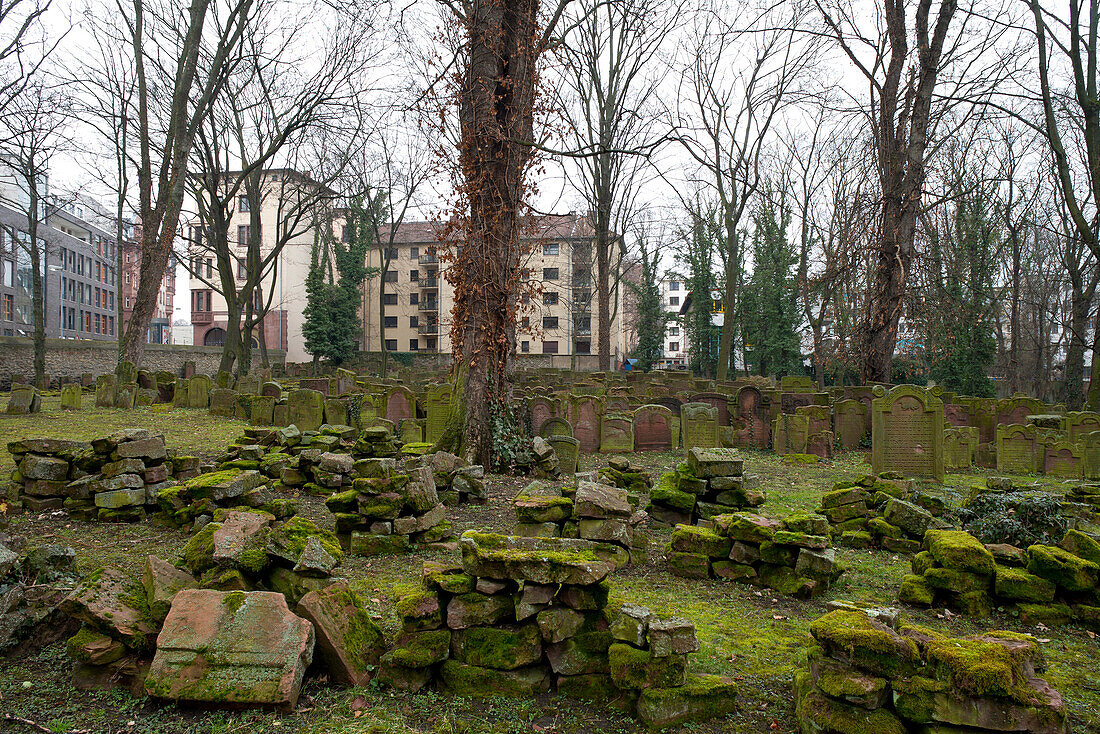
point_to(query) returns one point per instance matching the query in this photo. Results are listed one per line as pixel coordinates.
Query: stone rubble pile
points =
(524, 616)
(792, 556)
(1046, 584)
(587, 511)
(389, 507)
(871, 672)
(33, 583)
(116, 478)
(711, 483)
(619, 473)
(872, 512)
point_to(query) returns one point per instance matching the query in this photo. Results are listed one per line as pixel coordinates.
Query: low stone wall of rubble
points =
(711, 483)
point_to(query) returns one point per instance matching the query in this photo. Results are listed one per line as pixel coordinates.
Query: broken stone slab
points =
(675, 636)
(349, 643)
(232, 647)
(632, 624)
(707, 463)
(240, 533)
(162, 581)
(101, 602)
(601, 501)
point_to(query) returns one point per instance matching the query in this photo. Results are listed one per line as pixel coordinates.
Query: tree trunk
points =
(1093, 401)
(1075, 350)
(38, 301)
(603, 292)
(231, 349)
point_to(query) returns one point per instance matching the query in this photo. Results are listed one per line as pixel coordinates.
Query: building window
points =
(525, 322)
(674, 331)
(584, 347)
(242, 203)
(551, 248)
(345, 233)
(414, 321)
(674, 285)
(127, 279)
(198, 302)
(242, 268)
(549, 322)
(209, 268)
(243, 232)
(674, 346)
(391, 345)
(549, 273)
(390, 276)
(110, 326)
(414, 253)
(391, 322)
(674, 300)
(9, 307)
(389, 299)
(414, 275)
(7, 271)
(525, 346)
(111, 300)
(414, 345)
(549, 347)
(88, 321)
(391, 253)
(549, 299)
(414, 299)
(128, 256)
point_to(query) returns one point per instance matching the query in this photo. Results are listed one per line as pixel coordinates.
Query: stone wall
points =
(73, 358)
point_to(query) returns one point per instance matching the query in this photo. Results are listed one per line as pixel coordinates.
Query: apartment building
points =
(409, 306)
(674, 351)
(77, 262)
(160, 327)
(293, 207)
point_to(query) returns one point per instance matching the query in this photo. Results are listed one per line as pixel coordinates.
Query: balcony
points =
(202, 317)
(427, 329)
(428, 283)
(427, 259)
(427, 306)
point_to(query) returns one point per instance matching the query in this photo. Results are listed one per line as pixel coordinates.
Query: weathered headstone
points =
(586, 422)
(198, 392)
(752, 423)
(72, 397)
(716, 400)
(400, 403)
(959, 447)
(306, 409)
(790, 433)
(1063, 459)
(699, 425)
(24, 400)
(272, 390)
(1091, 455)
(261, 411)
(1080, 423)
(248, 384)
(542, 409)
(126, 372)
(179, 394)
(652, 428)
(556, 427)
(336, 412)
(222, 401)
(1019, 450)
(567, 450)
(410, 431)
(848, 423)
(907, 432)
(616, 434)
(126, 395)
(105, 388)
(437, 411)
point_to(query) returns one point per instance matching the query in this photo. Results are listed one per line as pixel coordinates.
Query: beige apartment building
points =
(409, 307)
(294, 205)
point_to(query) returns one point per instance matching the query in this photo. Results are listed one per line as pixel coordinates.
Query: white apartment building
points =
(674, 350)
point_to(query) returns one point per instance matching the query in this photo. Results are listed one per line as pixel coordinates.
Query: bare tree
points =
(180, 67)
(740, 76)
(37, 127)
(612, 77)
(24, 48)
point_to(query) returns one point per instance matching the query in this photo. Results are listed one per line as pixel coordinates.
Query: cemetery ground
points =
(754, 635)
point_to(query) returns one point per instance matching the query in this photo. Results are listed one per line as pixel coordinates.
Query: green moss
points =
(915, 591)
(1082, 546)
(921, 562)
(693, 539)
(950, 579)
(914, 698)
(422, 649)
(1061, 567)
(980, 669)
(1019, 585)
(817, 712)
(672, 497)
(883, 529)
(868, 644)
(500, 648)
(295, 532)
(233, 601)
(198, 554)
(362, 636)
(959, 550)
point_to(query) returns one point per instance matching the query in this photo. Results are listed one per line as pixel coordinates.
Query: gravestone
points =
(1090, 459)
(616, 434)
(907, 432)
(790, 433)
(956, 414)
(586, 422)
(1063, 459)
(24, 400)
(126, 395)
(320, 384)
(281, 415)
(410, 431)
(542, 409)
(556, 427)
(126, 372)
(400, 404)
(751, 425)
(223, 379)
(652, 428)
(87, 379)
(437, 411)
(336, 412)
(306, 409)
(796, 383)
(567, 449)
(249, 384)
(718, 401)
(146, 380)
(1016, 409)
(72, 396)
(959, 447)
(272, 390)
(1080, 423)
(818, 416)
(849, 419)
(261, 410)
(188, 369)
(699, 425)
(345, 380)
(166, 387)
(105, 388)
(1019, 450)
(198, 391)
(863, 394)
(222, 401)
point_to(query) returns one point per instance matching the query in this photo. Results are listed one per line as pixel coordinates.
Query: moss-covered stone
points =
(778, 555)
(817, 712)
(198, 553)
(1082, 546)
(419, 610)
(879, 527)
(1017, 584)
(500, 648)
(915, 591)
(810, 523)
(1049, 615)
(1062, 568)
(983, 667)
(636, 669)
(959, 550)
(668, 496)
(701, 698)
(692, 539)
(856, 539)
(915, 698)
(921, 562)
(788, 582)
(287, 540)
(461, 679)
(866, 643)
(977, 604)
(689, 565)
(421, 649)
(950, 579)
(843, 682)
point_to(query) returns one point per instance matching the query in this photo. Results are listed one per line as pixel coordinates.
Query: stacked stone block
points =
(1045, 584)
(870, 672)
(711, 483)
(587, 511)
(792, 556)
(619, 473)
(524, 616)
(389, 508)
(871, 512)
(455, 481)
(115, 478)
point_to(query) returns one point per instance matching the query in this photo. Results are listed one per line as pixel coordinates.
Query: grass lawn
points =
(748, 633)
